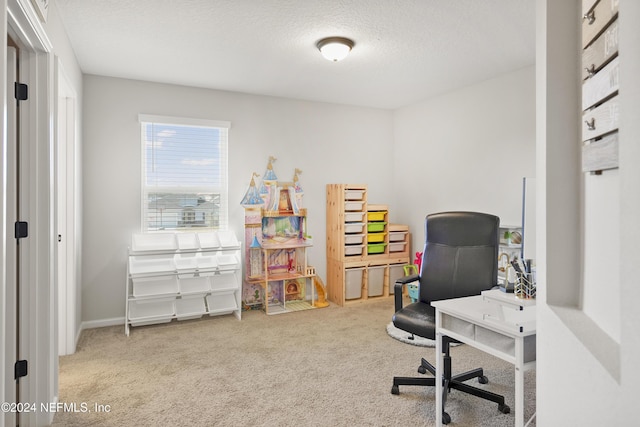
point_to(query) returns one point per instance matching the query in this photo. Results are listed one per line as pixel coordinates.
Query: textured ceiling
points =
(406, 50)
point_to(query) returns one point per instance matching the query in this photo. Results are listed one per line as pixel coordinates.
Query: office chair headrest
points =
(461, 228)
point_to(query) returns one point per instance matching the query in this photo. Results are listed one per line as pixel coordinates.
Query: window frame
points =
(224, 127)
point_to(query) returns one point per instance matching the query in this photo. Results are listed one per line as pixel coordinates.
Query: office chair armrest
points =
(397, 288)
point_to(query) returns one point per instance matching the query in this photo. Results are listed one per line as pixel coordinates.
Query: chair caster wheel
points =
(483, 379)
(422, 370)
(504, 409)
(395, 390)
(446, 419)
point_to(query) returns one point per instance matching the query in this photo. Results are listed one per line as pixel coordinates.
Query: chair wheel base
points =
(395, 390)
(504, 409)
(483, 379)
(446, 419)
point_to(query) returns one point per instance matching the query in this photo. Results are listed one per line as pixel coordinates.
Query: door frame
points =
(10, 324)
(66, 211)
(38, 331)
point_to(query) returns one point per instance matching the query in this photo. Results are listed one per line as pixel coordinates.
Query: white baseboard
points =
(90, 324)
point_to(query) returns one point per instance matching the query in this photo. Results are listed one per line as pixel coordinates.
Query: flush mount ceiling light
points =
(335, 48)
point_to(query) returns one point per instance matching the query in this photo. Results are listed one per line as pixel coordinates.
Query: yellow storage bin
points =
(375, 237)
(376, 216)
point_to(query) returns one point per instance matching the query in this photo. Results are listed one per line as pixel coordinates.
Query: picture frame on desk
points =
(42, 8)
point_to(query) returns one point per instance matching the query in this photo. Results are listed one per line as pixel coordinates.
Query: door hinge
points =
(20, 369)
(22, 229)
(22, 91)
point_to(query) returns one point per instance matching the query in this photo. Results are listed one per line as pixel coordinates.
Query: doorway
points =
(29, 311)
(65, 209)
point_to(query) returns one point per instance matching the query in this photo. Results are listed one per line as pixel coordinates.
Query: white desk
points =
(496, 323)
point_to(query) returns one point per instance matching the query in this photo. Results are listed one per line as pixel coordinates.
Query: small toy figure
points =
(418, 261)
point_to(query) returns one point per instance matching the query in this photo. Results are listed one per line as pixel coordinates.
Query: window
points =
(184, 173)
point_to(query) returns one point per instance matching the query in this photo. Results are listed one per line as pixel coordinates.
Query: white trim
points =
(23, 19)
(185, 121)
(101, 323)
(37, 310)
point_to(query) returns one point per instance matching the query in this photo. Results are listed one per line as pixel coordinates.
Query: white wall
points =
(629, 209)
(588, 321)
(330, 143)
(466, 150)
(68, 62)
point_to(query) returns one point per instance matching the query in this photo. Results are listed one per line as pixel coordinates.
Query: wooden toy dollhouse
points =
(278, 278)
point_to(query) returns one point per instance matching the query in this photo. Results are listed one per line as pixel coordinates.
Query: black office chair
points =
(460, 259)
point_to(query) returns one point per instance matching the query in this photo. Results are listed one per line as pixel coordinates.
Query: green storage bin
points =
(376, 227)
(376, 248)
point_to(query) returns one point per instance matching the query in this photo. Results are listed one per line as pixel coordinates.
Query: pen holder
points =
(525, 286)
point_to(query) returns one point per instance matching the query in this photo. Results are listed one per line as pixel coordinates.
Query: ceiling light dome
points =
(335, 48)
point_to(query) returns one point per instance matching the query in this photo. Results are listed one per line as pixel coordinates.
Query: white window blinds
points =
(184, 173)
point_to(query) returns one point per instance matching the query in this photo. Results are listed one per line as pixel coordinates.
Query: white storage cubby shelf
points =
(182, 276)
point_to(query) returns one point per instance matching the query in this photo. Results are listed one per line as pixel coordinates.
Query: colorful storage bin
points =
(376, 237)
(376, 227)
(375, 216)
(376, 248)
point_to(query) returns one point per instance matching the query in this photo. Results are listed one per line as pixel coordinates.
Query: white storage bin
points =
(227, 261)
(185, 262)
(397, 246)
(160, 285)
(354, 216)
(209, 240)
(190, 308)
(353, 250)
(353, 194)
(187, 241)
(207, 262)
(353, 206)
(148, 242)
(147, 312)
(354, 227)
(221, 303)
(375, 281)
(228, 239)
(192, 285)
(397, 236)
(353, 283)
(151, 264)
(354, 239)
(224, 281)
(396, 271)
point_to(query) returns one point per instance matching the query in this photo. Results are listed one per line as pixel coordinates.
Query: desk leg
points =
(439, 366)
(519, 389)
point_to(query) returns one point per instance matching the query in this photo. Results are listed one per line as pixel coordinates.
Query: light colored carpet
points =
(325, 367)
